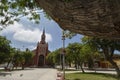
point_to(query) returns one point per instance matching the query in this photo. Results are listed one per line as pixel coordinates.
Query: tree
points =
(74, 55)
(56, 57)
(68, 34)
(22, 58)
(108, 47)
(13, 10)
(50, 59)
(90, 51)
(10, 59)
(28, 56)
(4, 49)
(18, 59)
(87, 52)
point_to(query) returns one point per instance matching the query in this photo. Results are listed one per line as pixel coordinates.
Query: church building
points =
(41, 52)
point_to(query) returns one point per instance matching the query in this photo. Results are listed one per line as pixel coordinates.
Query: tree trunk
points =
(8, 63)
(13, 67)
(23, 66)
(110, 59)
(82, 68)
(90, 63)
(116, 67)
(69, 64)
(99, 18)
(76, 64)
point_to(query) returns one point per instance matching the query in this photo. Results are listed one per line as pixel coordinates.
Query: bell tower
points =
(43, 37)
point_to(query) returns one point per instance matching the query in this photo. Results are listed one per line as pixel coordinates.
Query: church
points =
(41, 52)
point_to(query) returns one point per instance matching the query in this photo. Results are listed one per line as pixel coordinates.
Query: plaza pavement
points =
(30, 74)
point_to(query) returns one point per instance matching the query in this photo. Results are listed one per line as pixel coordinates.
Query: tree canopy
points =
(107, 47)
(13, 10)
(74, 54)
(5, 49)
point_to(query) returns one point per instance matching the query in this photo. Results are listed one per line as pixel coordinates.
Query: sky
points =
(26, 34)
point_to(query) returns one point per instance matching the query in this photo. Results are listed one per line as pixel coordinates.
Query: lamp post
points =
(60, 60)
(63, 52)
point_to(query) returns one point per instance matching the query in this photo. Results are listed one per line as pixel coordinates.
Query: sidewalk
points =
(98, 70)
(30, 74)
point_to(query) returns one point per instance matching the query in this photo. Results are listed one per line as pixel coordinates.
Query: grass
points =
(89, 76)
(2, 70)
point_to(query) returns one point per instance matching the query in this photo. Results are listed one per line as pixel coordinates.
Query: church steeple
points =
(41, 52)
(43, 36)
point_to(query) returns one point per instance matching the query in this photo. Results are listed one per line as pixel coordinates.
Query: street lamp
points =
(63, 52)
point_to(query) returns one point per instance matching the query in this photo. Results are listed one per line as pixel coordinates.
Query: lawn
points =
(2, 70)
(89, 76)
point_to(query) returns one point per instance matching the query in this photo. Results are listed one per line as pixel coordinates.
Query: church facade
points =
(41, 52)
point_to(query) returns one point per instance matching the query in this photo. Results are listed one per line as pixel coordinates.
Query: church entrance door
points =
(41, 61)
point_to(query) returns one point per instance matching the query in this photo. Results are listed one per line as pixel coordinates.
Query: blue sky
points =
(26, 34)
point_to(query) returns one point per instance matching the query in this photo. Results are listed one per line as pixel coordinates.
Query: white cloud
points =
(31, 47)
(0, 26)
(24, 34)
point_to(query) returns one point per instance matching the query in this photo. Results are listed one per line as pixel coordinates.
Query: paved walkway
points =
(30, 74)
(97, 71)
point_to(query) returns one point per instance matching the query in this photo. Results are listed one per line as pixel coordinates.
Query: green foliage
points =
(74, 50)
(68, 34)
(28, 56)
(47, 16)
(4, 49)
(107, 47)
(74, 54)
(90, 47)
(50, 59)
(18, 58)
(55, 56)
(13, 10)
(100, 43)
(90, 50)
(21, 58)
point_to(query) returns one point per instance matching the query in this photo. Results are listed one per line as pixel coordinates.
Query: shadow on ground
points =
(5, 74)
